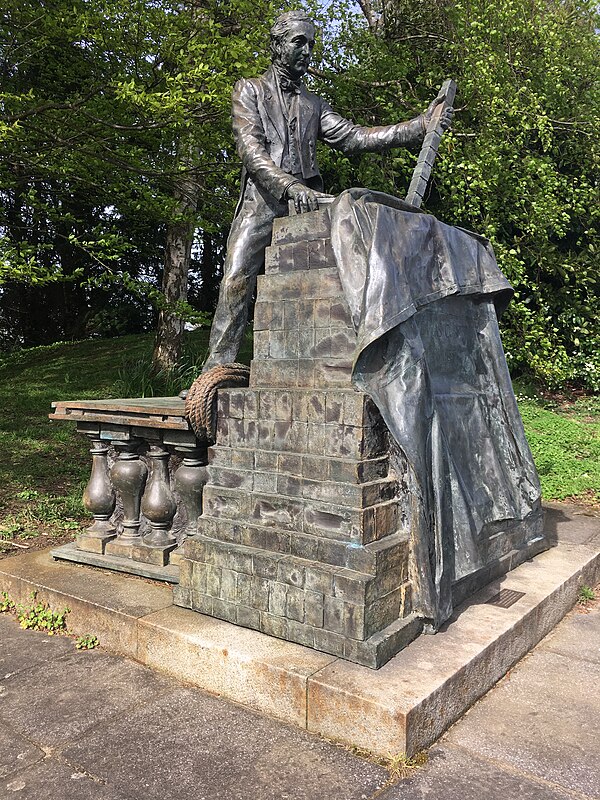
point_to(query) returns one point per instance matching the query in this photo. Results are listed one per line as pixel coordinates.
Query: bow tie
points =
(289, 86)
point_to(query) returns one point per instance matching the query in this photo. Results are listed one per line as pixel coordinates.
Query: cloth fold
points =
(424, 299)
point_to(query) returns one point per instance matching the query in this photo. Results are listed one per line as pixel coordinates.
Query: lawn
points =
(45, 465)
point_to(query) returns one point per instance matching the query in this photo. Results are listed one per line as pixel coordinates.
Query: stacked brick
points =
(303, 531)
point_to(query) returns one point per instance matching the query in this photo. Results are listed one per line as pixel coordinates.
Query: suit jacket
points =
(260, 132)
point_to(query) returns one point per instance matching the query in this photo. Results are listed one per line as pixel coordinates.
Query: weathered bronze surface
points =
(429, 148)
(276, 124)
(425, 298)
(375, 471)
(145, 488)
(350, 525)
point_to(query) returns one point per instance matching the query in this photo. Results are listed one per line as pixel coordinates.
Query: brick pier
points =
(303, 532)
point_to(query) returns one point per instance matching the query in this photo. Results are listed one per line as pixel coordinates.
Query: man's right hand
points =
(304, 198)
(445, 120)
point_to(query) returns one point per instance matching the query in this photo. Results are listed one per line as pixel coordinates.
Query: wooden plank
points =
(144, 413)
(130, 403)
(170, 422)
(142, 405)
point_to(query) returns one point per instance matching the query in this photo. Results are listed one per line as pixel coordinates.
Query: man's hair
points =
(282, 26)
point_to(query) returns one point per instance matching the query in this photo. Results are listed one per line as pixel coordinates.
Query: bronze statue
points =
(276, 124)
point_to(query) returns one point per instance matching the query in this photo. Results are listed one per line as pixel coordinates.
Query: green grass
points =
(564, 436)
(44, 465)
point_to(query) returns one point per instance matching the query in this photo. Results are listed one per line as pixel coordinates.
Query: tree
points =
(115, 140)
(115, 144)
(522, 161)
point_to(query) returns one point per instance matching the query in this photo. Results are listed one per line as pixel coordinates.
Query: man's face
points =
(295, 49)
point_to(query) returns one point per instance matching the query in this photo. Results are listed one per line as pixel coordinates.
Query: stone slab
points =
(102, 603)
(267, 674)
(43, 704)
(191, 746)
(407, 704)
(403, 707)
(568, 523)
(581, 638)
(305, 227)
(16, 753)
(16, 650)
(53, 779)
(454, 774)
(117, 563)
(509, 726)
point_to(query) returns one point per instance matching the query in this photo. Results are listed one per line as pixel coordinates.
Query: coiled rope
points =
(201, 398)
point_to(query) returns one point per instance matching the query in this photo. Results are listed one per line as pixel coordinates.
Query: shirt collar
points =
(286, 83)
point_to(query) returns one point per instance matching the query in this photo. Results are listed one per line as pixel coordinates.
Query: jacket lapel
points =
(273, 103)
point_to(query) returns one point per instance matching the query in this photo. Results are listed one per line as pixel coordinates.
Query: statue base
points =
(305, 528)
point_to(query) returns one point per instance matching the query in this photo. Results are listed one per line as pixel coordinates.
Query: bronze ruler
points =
(429, 148)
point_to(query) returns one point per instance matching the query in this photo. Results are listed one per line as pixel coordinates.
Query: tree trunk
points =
(178, 248)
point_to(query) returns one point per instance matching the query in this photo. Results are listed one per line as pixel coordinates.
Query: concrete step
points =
(401, 708)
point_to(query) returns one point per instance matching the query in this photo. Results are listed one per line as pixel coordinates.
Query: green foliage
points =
(45, 465)
(39, 617)
(136, 377)
(109, 111)
(6, 604)
(521, 164)
(585, 595)
(86, 642)
(565, 442)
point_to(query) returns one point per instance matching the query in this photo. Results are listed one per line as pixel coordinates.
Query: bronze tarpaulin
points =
(424, 299)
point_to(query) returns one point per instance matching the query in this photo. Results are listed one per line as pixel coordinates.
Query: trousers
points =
(248, 239)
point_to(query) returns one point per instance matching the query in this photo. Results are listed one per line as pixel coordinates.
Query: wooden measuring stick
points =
(429, 148)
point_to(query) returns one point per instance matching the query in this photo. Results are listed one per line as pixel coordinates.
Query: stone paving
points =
(78, 725)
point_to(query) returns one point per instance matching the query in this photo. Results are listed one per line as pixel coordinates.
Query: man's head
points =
(292, 42)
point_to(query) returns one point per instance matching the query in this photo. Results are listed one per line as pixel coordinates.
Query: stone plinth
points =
(402, 708)
(302, 533)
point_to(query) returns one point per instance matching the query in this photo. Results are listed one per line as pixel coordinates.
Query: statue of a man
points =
(276, 124)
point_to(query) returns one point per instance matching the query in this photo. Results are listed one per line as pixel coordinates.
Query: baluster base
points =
(153, 554)
(176, 556)
(96, 538)
(69, 552)
(119, 548)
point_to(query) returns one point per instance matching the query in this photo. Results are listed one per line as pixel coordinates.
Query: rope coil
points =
(201, 399)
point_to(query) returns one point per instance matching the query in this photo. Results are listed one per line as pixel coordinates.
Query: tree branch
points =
(370, 15)
(318, 73)
(50, 106)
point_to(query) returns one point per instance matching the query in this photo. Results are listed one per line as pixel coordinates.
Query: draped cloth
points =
(424, 299)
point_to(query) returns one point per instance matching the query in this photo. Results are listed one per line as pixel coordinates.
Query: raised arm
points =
(350, 138)
(344, 135)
